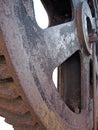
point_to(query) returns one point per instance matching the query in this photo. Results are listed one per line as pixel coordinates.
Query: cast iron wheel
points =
(29, 55)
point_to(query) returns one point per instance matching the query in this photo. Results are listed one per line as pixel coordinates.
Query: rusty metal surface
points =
(32, 54)
(94, 87)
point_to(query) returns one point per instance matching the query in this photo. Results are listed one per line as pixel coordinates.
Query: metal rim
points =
(26, 58)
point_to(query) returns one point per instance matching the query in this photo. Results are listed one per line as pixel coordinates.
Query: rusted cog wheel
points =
(31, 56)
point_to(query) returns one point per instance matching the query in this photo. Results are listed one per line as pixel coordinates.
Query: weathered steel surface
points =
(94, 88)
(31, 55)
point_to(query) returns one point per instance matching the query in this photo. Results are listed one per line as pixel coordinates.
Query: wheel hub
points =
(85, 25)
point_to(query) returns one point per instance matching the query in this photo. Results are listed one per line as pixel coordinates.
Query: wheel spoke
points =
(61, 41)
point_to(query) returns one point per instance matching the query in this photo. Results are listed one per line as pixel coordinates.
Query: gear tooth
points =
(8, 91)
(26, 120)
(4, 72)
(12, 106)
